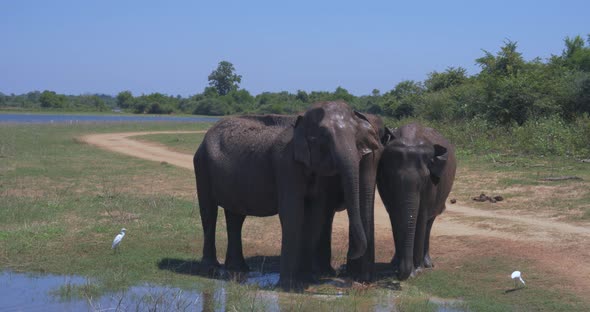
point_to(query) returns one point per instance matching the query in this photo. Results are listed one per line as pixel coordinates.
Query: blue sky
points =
(171, 47)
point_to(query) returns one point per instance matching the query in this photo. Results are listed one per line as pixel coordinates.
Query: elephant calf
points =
(415, 176)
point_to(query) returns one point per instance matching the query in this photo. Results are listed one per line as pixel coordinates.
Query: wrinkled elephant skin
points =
(264, 165)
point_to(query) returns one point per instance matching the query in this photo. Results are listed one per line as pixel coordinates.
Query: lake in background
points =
(55, 118)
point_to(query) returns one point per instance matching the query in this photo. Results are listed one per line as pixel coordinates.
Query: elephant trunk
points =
(349, 168)
(409, 214)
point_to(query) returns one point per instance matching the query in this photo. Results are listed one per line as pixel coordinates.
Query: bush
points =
(156, 108)
(546, 136)
(581, 136)
(437, 106)
(212, 106)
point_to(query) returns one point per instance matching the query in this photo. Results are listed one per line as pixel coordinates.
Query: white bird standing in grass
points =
(118, 239)
(516, 276)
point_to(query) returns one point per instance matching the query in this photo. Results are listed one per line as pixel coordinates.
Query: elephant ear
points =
(438, 162)
(367, 135)
(300, 146)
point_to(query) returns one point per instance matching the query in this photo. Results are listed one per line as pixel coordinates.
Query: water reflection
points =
(35, 292)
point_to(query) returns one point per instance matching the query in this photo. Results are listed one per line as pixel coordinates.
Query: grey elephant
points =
(415, 176)
(264, 165)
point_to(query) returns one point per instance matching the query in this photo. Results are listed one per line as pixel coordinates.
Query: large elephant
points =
(261, 165)
(415, 176)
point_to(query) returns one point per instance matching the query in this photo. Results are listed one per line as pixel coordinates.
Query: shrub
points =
(212, 106)
(546, 136)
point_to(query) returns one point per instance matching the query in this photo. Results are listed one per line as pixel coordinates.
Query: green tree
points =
(224, 78)
(50, 99)
(93, 102)
(212, 106)
(125, 99)
(402, 100)
(343, 94)
(302, 96)
(572, 45)
(508, 61)
(451, 77)
(406, 88)
(576, 55)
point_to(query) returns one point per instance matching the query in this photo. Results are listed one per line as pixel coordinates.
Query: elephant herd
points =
(306, 168)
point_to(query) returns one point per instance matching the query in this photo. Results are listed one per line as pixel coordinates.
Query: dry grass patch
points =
(523, 190)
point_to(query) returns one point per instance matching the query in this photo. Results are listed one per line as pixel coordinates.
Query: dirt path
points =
(557, 246)
(121, 143)
(537, 228)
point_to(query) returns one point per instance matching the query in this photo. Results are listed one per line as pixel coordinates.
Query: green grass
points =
(63, 202)
(485, 285)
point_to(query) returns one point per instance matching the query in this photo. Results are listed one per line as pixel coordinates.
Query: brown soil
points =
(557, 250)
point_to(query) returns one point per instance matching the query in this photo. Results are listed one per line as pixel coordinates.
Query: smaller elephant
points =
(415, 176)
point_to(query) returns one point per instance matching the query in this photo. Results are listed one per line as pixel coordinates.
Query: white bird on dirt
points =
(118, 239)
(517, 276)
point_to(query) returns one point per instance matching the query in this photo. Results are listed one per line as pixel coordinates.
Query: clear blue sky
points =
(171, 47)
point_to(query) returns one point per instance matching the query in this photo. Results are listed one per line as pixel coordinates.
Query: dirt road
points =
(538, 228)
(555, 245)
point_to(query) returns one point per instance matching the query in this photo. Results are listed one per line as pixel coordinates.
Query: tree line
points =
(507, 90)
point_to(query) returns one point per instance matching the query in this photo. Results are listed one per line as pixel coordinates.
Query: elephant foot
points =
(210, 267)
(428, 262)
(360, 270)
(395, 265)
(327, 271)
(210, 263)
(237, 266)
(324, 271)
(404, 270)
(291, 285)
(364, 277)
(360, 276)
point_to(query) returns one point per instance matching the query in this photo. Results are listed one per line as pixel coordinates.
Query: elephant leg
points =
(234, 258)
(419, 239)
(316, 257)
(291, 211)
(397, 240)
(310, 237)
(323, 254)
(208, 210)
(427, 260)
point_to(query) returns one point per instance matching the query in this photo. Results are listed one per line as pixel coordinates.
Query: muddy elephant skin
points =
(264, 165)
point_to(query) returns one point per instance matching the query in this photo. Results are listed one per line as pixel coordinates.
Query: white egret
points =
(517, 276)
(118, 239)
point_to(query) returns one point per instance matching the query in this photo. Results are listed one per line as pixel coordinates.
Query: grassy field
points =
(63, 202)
